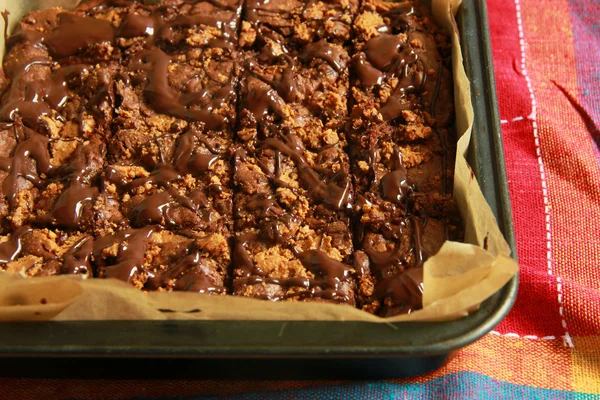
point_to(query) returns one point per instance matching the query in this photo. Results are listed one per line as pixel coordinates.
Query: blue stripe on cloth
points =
(462, 385)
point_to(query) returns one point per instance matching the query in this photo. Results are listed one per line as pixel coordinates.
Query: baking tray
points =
(299, 349)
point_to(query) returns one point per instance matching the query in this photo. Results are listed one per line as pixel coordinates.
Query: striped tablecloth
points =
(547, 63)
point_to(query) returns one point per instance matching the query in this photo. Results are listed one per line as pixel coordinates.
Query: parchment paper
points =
(456, 280)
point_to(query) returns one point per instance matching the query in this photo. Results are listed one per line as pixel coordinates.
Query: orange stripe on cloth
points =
(539, 363)
(572, 171)
(586, 365)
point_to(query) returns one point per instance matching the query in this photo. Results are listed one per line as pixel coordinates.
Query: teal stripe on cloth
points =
(462, 385)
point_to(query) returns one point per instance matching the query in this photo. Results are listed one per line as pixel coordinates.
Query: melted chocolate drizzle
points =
(34, 146)
(395, 184)
(155, 63)
(73, 34)
(403, 290)
(156, 208)
(154, 26)
(386, 57)
(77, 260)
(10, 249)
(70, 206)
(184, 277)
(330, 274)
(334, 190)
(325, 51)
(39, 97)
(131, 255)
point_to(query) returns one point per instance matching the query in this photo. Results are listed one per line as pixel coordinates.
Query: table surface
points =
(547, 65)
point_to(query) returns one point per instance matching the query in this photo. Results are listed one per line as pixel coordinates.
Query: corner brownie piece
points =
(56, 115)
(118, 122)
(401, 63)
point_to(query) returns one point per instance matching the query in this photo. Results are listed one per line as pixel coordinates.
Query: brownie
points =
(297, 22)
(56, 110)
(302, 92)
(281, 150)
(189, 188)
(118, 123)
(291, 169)
(403, 149)
(401, 63)
(154, 259)
(43, 252)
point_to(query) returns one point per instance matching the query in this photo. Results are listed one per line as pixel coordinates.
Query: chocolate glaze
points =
(265, 205)
(39, 97)
(331, 54)
(404, 291)
(70, 205)
(75, 33)
(334, 190)
(395, 184)
(184, 277)
(32, 146)
(330, 282)
(276, 93)
(156, 208)
(155, 63)
(77, 260)
(131, 255)
(263, 99)
(155, 26)
(385, 58)
(10, 249)
(367, 74)
(417, 241)
(254, 9)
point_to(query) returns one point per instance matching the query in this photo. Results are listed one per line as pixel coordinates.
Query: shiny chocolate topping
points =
(395, 184)
(78, 259)
(387, 58)
(43, 94)
(68, 210)
(334, 190)
(73, 34)
(185, 276)
(405, 292)
(158, 26)
(333, 55)
(76, 33)
(331, 281)
(158, 206)
(131, 254)
(31, 146)
(154, 64)
(10, 249)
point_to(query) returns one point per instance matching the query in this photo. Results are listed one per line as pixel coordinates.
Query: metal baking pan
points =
(271, 349)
